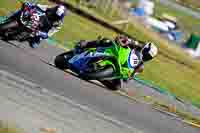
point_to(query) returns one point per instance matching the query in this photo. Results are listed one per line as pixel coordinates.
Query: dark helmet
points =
(56, 13)
(149, 51)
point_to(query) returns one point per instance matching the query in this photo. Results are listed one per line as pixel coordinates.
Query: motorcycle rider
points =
(134, 65)
(55, 17)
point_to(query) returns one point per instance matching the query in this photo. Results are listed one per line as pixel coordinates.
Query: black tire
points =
(8, 29)
(113, 85)
(61, 61)
(106, 72)
(8, 25)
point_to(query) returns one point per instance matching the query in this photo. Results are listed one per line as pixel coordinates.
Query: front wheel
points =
(106, 72)
(61, 60)
(113, 85)
(8, 25)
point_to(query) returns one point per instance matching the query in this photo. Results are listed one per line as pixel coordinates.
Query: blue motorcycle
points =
(100, 63)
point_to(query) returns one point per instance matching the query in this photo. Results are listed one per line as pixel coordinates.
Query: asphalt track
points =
(27, 63)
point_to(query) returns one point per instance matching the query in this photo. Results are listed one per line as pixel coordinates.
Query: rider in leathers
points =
(55, 17)
(135, 61)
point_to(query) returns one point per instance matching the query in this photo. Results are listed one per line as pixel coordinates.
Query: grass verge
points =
(9, 128)
(185, 116)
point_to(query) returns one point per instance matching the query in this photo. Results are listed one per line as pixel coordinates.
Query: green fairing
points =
(121, 55)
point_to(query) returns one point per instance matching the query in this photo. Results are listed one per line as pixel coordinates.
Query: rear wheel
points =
(61, 60)
(8, 25)
(9, 29)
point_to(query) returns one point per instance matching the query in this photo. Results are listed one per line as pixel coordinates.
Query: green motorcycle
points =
(101, 63)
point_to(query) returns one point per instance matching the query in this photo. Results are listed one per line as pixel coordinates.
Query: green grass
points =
(77, 28)
(106, 14)
(9, 128)
(186, 116)
(178, 79)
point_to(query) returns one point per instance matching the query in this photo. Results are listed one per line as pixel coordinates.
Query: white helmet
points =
(149, 51)
(61, 10)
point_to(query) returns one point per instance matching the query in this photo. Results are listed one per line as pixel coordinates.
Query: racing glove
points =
(41, 34)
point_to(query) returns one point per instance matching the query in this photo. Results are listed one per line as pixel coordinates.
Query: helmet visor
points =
(146, 56)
